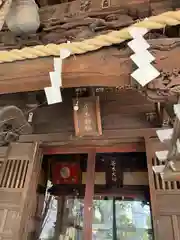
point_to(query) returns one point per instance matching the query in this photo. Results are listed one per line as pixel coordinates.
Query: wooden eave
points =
(106, 67)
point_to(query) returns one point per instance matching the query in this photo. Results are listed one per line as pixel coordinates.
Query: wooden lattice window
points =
(14, 174)
(159, 183)
(19, 172)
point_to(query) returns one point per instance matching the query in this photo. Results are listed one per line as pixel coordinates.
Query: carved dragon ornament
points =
(167, 86)
(164, 88)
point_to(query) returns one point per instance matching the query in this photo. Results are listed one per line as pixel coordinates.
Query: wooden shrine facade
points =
(127, 126)
(91, 70)
(19, 168)
(126, 115)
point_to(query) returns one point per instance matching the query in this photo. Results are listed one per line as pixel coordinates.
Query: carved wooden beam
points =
(134, 8)
(107, 67)
(71, 21)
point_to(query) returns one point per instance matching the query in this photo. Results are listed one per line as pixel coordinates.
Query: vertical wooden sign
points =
(87, 119)
(114, 176)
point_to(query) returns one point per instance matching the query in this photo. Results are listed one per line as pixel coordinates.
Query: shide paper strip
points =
(53, 93)
(142, 57)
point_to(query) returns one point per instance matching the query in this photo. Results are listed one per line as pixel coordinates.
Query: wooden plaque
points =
(87, 119)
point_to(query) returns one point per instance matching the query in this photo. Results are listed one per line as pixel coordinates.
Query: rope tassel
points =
(171, 18)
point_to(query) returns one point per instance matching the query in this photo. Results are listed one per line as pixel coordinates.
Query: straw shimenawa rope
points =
(171, 18)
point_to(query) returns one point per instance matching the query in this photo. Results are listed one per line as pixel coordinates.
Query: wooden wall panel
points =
(168, 227)
(165, 198)
(168, 203)
(165, 228)
(3, 152)
(118, 111)
(18, 176)
(126, 109)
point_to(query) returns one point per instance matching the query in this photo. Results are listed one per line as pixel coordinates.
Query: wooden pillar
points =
(114, 219)
(89, 194)
(59, 227)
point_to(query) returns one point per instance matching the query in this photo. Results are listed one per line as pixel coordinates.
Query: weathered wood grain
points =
(83, 19)
(107, 67)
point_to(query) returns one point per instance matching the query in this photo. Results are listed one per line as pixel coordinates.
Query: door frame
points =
(119, 148)
(89, 189)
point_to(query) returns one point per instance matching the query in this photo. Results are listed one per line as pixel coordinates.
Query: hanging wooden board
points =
(87, 119)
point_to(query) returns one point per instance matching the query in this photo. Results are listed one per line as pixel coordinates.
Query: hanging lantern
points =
(23, 17)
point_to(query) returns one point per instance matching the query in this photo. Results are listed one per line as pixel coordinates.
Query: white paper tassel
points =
(55, 79)
(162, 155)
(64, 53)
(138, 45)
(158, 169)
(53, 93)
(142, 58)
(145, 74)
(178, 146)
(137, 32)
(139, 61)
(165, 134)
(177, 110)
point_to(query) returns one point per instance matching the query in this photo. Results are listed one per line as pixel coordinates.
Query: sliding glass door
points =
(115, 219)
(121, 220)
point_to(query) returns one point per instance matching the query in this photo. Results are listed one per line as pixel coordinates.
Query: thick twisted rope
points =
(171, 18)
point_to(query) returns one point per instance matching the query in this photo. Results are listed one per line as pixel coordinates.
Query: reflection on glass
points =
(131, 220)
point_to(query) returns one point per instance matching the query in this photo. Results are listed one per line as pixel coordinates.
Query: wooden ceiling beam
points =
(62, 139)
(106, 67)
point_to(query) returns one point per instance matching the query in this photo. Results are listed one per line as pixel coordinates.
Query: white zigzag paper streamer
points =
(53, 93)
(140, 61)
(142, 57)
(177, 110)
(162, 155)
(164, 134)
(167, 135)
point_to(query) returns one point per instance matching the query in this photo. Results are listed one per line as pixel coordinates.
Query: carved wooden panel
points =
(19, 172)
